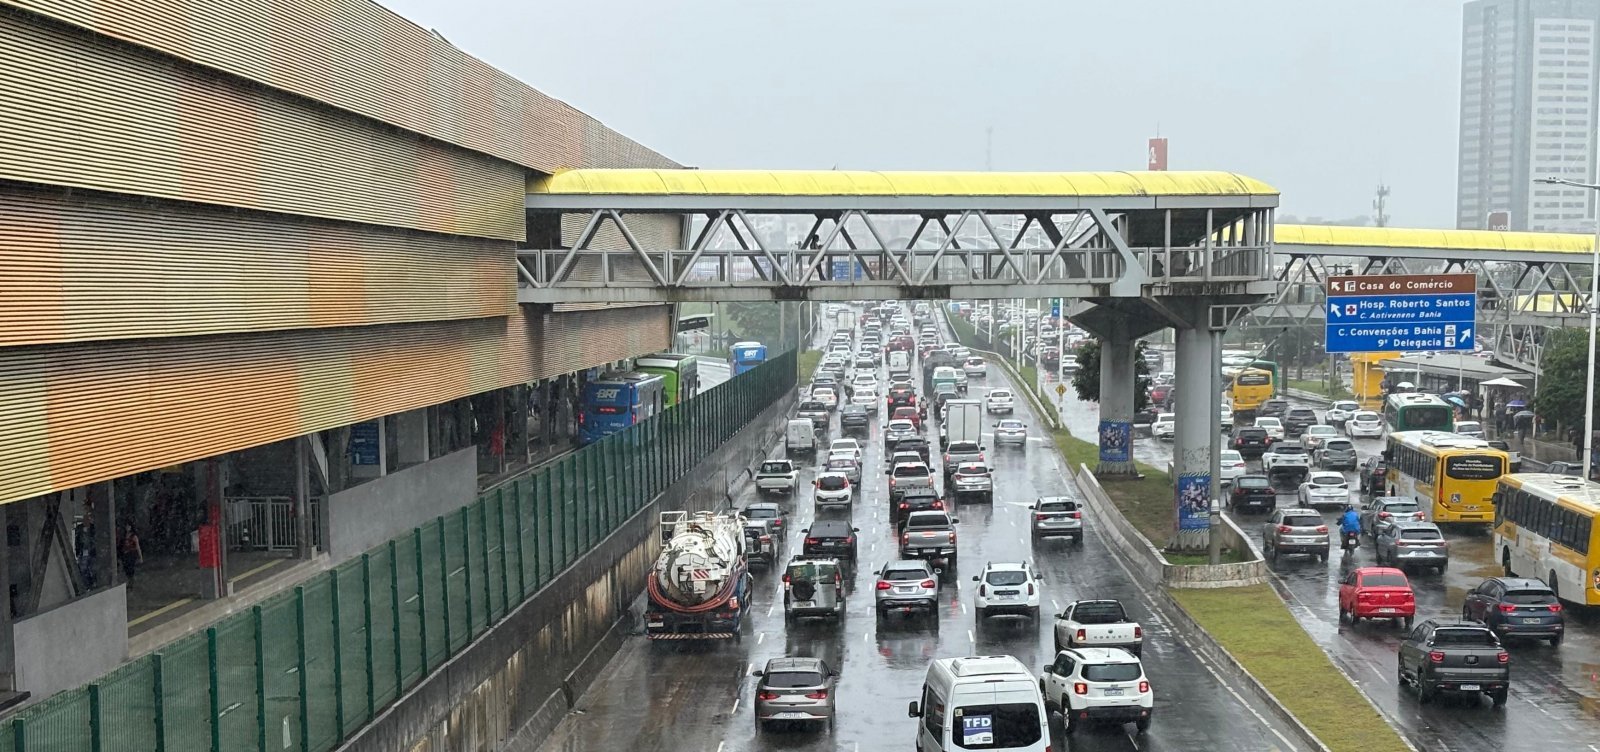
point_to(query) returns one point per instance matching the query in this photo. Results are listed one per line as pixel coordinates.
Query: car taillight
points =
(1144, 687)
(905, 538)
(821, 694)
(904, 505)
(952, 537)
(1555, 608)
(1383, 515)
(938, 504)
(766, 539)
(850, 539)
(1401, 544)
(1080, 688)
(1040, 517)
(811, 541)
(1030, 588)
(786, 579)
(891, 482)
(1083, 634)
(1138, 633)
(980, 456)
(929, 584)
(1322, 528)
(1436, 656)
(1284, 529)
(983, 589)
(1077, 515)
(883, 585)
(1417, 516)
(766, 695)
(1503, 657)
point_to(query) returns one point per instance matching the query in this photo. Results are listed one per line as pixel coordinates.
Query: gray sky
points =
(1322, 100)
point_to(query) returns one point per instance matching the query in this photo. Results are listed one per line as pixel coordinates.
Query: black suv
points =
(915, 500)
(1297, 419)
(1252, 493)
(1460, 657)
(855, 419)
(1272, 408)
(1373, 476)
(1516, 607)
(831, 538)
(1251, 442)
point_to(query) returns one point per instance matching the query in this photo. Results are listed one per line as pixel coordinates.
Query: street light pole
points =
(1587, 456)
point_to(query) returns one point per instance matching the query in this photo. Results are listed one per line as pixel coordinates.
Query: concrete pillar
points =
(1117, 382)
(302, 498)
(1197, 418)
(8, 652)
(412, 437)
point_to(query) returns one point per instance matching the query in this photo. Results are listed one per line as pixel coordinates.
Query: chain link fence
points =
(309, 666)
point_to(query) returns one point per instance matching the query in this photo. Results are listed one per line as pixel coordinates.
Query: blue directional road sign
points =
(1402, 312)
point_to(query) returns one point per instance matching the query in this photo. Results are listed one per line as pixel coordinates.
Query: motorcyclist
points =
(1350, 523)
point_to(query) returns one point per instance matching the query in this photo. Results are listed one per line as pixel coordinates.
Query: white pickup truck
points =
(1098, 624)
(1286, 459)
(777, 476)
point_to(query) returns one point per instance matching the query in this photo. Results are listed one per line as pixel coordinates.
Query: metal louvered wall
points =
(95, 267)
(78, 110)
(364, 58)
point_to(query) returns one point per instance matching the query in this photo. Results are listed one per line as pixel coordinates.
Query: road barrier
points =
(309, 666)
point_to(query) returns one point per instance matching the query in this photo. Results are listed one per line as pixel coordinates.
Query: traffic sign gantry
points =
(1401, 312)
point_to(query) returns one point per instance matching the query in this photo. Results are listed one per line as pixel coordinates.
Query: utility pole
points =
(1380, 206)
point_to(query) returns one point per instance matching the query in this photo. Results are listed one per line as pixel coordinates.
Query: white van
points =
(983, 702)
(800, 436)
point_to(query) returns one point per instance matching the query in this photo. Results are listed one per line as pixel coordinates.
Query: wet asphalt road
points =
(1555, 694)
(696, 697)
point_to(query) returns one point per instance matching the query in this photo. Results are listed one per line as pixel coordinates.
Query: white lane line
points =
(720, 745)
(735, 706)
(1540, 709)
(770, 607)
(760, 636)
(1055, 605)
(1133, 741)
(963, 605)
(970, 638)
(866, 636)
(750, 669)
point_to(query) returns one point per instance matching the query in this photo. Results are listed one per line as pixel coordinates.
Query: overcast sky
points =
(1322, 100)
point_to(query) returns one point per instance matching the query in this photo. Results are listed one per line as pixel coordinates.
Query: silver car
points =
(795, 690)
(1011, 431)
(1057, 516)
(908, 585)
(1405, 543)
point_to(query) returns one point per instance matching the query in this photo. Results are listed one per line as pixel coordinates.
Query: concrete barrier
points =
(1153, 564)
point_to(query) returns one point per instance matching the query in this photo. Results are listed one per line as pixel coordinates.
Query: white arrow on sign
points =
(1466, 332)
(1333, 309)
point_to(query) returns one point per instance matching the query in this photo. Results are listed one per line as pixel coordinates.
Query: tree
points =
(1561, 387)
(756, 321)
(1086, 382)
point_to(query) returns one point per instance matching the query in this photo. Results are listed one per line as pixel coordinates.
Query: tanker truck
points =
(700, 585)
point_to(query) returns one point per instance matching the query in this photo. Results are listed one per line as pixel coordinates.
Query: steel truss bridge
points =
(884, 235)
(1528, 282)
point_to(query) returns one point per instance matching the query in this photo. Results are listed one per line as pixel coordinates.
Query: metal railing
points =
(268, 523)
(309, 666)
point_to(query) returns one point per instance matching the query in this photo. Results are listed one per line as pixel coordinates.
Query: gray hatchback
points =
(1337, 454)
(1407, 543)
(795, 690)
(1057, 516)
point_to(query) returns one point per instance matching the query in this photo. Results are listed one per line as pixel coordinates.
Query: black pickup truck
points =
(1455, 656)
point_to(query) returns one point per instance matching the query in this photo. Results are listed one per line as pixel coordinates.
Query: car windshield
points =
(793, 679)
(1000, 394)
(1399, 507)
(1345, 406)
(1366, 418)
(1327, 480)
(1530, 597)
(1249, 482)
(1111, 672)
(1460, 636)
(841, 464)
(1009, 577)
(1265, 422)
(832, 482)
(1322, 431)
(1303, 520)
(1000, 726)
(1384, 579)
(907, 573)
(1420, 534)
(1252, 433)
(901, 425)
(761, 514)
(909, 470)
(928, 520)
(1289, 449)
(1057, 506)
(963, 447)
(1098, 613)
(1340, 445)
(775, 467)
(812, 406)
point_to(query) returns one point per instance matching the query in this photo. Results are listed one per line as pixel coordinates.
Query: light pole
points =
(1586, 457)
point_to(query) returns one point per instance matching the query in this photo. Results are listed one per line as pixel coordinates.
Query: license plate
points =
(1113, 692)
(790, 716)
(1385, 610)
(1005, 592)
(1530, 621)
(904, 589)
(1470, 687)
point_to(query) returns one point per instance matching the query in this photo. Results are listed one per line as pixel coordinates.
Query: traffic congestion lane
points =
(686, 696)
(1553, 689)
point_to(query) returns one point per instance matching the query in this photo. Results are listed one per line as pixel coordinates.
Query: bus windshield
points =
(1429, 418)
(1253, 379)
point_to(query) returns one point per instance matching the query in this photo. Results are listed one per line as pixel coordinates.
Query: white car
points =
(975, 368)
(845, 445)
(1232, 464)
(833, 489)
(1364, 423)
(1225, 419)
(1164, 426)
(1007, 588)
(1316, 436)
(999, 401)
(1011, 431)
(1098, 685)
(827, 395)
(1272, 426)
(865, 398)
(1469, 428)
(1325, 488)
(864, 380)
(1340, 411)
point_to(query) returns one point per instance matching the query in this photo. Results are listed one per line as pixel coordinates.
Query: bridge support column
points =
(1197, 417)
(1117, 382)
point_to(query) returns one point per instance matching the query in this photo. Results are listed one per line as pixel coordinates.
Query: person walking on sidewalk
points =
(131, 553)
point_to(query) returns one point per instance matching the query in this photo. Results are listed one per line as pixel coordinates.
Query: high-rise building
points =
(1529, 93)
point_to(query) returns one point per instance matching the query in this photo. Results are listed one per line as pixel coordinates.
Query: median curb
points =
(1135, 549)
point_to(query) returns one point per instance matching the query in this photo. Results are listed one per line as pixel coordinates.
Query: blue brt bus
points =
(748, 355)
(617, 401)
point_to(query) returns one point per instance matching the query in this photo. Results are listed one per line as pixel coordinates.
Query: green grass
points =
(1319, 387)
(1256, 627)
(808, 360)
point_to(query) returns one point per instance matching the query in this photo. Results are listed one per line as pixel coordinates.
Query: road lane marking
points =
(735, 706)
(760, 636)
(1055, 605)
(866, 636)
(750, 669)
(963, 605)
(970, 638)
(719, 746)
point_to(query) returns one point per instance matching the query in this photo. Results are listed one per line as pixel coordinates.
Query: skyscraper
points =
(1528, 110)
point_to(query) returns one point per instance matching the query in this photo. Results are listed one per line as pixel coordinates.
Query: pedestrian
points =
(131, 553)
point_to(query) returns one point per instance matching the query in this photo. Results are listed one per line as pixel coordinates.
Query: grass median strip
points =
(1256, 627)
(808, 361)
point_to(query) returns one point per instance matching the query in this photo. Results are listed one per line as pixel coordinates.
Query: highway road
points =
(697, 697)
(1555, 695)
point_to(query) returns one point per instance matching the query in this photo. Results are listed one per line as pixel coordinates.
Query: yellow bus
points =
(1451, 475)
(1248, 388)
(1545, 527)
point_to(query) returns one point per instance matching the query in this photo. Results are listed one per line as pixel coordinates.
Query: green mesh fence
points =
(306, 668)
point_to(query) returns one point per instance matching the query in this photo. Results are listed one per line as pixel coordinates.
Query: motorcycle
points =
(1352, 541)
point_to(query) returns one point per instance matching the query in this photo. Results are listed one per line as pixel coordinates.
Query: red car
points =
(1376, 593)
(908, 413)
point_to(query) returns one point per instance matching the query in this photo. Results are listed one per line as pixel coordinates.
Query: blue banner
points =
(364, 443)
(1116, 437)
(1194, 502)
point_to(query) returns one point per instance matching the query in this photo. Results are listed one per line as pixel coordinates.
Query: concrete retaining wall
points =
(371, 513)
(72, 644)
(515, 683)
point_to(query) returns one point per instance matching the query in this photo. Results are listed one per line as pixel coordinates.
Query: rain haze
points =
(1322, 100)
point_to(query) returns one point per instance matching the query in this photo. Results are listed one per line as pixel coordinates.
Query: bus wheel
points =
(1505, 562)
